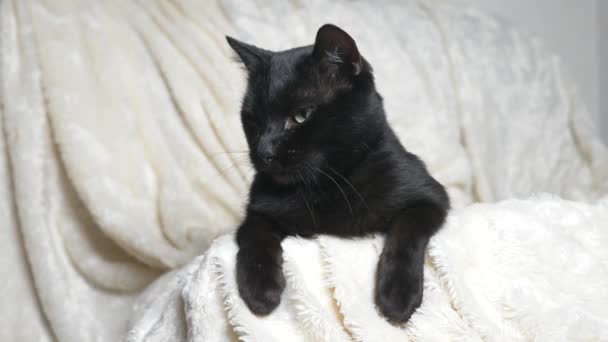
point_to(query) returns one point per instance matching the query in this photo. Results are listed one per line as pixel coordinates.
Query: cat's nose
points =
(268, 158)
(267, 148)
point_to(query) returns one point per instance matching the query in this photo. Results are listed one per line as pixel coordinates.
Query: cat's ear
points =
(337, 47)
(251, 56)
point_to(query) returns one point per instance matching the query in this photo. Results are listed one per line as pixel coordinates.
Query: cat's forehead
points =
(283, 69)
(293, 76)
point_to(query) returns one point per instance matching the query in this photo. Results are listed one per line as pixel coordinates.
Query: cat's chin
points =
(282, 176)
(285, 177)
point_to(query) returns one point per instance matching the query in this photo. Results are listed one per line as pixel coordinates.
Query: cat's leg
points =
(399, 277)
(259, 264)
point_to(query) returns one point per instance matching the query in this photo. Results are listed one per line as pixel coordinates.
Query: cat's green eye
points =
(302, 115)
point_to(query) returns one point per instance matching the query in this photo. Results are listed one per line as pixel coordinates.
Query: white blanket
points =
(122, 155)
(517, 270)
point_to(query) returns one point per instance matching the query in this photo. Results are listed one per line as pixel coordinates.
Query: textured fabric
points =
(517, 270)
(123, 157)
(17, 293)
(525, 130)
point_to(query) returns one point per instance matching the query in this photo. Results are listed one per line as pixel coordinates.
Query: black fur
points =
(342, 171)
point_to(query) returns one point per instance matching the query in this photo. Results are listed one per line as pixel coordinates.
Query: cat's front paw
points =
(398, 289)
(260, 280)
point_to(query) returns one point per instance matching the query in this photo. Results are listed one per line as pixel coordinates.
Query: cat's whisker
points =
(351, 185)
(238, 161)
(233, 164)
(312, 179)
(312, 215)
(308, 180)
(350, 208)
(305, 180)
(222, 153)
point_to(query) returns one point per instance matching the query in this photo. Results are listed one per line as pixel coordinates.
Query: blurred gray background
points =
(575, 29)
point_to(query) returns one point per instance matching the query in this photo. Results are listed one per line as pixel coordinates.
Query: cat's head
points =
(311, 109)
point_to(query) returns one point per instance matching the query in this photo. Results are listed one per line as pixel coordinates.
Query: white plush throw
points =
(518, 270)
(122, 159)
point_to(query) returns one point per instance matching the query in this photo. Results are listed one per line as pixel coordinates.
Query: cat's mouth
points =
(284, 175)
(295, 168)
(280, 173)
(282, 168)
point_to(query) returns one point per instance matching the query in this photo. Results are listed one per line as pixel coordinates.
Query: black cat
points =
(327, 162)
